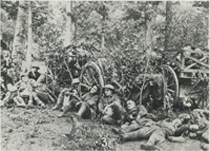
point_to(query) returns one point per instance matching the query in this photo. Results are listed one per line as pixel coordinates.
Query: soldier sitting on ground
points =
(87, 107)
(68, 98)
(108, 104)
(136, 118)
(34, 73)
(27, 90)
(9, 88)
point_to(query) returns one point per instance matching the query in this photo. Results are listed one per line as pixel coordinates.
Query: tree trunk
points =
(68, 34)
(103, 26)
(75, 24)
(168, 25)
(28, 54)
(102, 37)
(18, 29)
(75, 31)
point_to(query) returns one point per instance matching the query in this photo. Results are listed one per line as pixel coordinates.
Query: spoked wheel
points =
(172, 84)
(199, 93)
(91, 73)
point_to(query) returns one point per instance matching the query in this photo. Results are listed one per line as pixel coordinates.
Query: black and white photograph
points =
(104, 75)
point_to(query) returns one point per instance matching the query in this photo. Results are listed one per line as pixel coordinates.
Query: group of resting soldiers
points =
(134, 120)
(27, 92)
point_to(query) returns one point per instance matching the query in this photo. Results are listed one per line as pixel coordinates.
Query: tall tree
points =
(18, 29)
(168, 25)
(68, 35)
(29, 50)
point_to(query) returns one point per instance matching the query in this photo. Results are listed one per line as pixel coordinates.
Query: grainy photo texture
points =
(105, 75)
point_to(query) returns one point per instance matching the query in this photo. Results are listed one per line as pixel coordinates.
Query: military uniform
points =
(66, 101)
(155, 132)
(113, 103)
(88, 107)
(135, 119)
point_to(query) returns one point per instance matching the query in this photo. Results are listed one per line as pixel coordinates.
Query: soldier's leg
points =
(142, 133)
(158, 136)
(7, 98)
(121, 130)
(60, 100)
(132, 127)
(84, 110)
(30, 101)
(66, 109)
(19, 101)
(181, 130)
(135, 135)
(38, 101)
(43, 96)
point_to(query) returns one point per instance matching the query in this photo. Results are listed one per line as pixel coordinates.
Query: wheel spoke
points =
(168, 94)
(170, 79)
(171, 84)
(170, 90)
(88, 74)
(86, 80)
(92, 75)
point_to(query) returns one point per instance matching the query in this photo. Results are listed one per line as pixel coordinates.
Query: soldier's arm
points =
(41, 78)
(100, 107)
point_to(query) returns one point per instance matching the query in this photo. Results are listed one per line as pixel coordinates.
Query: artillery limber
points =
(166, 77)
(192, 68)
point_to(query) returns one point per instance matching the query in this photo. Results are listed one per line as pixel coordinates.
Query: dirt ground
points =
(41, 129)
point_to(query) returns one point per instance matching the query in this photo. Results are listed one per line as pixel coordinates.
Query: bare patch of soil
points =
(41, 129)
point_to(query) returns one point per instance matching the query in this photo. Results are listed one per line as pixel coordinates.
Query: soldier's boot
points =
(82, 110)
(60, 101)
(6, 99)
(93, 114)
(204, 146)
(58, 105)
(30, 104)
(129, 136)
(149, 147)
(39, 102)
(19, 101)
(65, 110)
(117, 131)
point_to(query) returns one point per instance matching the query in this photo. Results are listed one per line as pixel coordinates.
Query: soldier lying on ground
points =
(199, 123)
(155, 133)
(108, 103)
(87, 107)
(143, 127)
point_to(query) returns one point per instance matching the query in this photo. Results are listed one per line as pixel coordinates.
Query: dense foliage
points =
(129, 28)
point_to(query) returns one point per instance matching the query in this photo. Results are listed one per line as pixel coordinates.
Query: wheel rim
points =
(201, 94)
(172, 84)
(90, 74)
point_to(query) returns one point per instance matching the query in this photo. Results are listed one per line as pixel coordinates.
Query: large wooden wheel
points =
(171, 84)
(91, 73)
(199, 93)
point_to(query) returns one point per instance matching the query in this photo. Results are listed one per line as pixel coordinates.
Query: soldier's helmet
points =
(110, 87)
